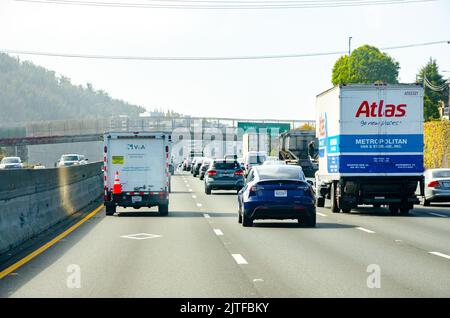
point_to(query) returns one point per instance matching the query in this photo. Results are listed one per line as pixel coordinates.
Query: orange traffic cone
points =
(117, 188)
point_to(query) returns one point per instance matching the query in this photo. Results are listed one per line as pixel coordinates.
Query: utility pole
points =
(349, 45)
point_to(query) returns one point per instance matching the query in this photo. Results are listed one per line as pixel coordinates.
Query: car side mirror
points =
(310, 182)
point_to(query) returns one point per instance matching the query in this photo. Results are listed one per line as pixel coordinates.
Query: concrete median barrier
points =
(31, 201)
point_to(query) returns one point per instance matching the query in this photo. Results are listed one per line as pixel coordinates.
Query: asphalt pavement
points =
(200, 250)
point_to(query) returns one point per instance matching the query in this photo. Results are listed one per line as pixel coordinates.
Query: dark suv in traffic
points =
(224, 175)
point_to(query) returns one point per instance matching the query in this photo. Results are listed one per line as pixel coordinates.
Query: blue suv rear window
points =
(226, 165)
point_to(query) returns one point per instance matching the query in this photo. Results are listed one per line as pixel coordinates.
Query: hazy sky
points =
(284, 89)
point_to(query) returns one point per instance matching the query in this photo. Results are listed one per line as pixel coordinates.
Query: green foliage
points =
(306, 127)
(366, 65)
(436, 135)
(340, 73)
(432, 98)
(31, 93)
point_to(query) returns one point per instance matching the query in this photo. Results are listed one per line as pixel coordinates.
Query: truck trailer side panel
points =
(372, 131)
(370, 145)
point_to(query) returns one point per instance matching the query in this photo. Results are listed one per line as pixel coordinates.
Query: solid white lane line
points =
(199, 205)
(440, 254)
(194, 197)
(218, 232)
(321, 214)
(437, 214)
(365, 230)
(239, 259)
(206, 216)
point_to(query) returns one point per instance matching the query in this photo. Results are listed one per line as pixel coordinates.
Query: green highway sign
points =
(270, 128)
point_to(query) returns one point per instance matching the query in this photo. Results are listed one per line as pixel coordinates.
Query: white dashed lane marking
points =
(218, 232)
(365, 230)
(440, 255)
(206, 216)
(321, 214)
(199, 205)
(239, 259)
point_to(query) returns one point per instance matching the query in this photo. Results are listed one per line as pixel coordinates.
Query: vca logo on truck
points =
(379, 110)
(135, 147)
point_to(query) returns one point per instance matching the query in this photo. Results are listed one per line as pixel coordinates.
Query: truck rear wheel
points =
(404, 210)
(320, 202)
(163, 209)
(110, 209)
(393, 209)
(334, 203)
(346, 210)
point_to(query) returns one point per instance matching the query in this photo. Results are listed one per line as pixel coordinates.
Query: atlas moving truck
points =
(140, 161)
(370, 146)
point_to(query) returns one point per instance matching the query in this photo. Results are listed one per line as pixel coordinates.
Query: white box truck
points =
(136, 170)
(252, 142)
(370, 146)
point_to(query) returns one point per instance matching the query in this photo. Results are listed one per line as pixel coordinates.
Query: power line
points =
(233, 6)
(204, 58)
(433, 87)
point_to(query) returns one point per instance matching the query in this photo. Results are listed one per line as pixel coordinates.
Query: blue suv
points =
(224, 174)
(277, 192)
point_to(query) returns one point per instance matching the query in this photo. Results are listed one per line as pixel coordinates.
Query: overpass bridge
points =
(96, 126)
(45, 141)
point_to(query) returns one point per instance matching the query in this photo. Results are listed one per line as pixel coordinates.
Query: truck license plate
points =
(281, 193)
(135, 199)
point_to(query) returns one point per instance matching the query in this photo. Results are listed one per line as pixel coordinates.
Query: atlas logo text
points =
(380, 110)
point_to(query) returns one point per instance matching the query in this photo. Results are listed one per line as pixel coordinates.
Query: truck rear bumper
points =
(137, 200)
(394, 190)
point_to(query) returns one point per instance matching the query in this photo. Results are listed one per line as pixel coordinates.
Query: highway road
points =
(200, 250)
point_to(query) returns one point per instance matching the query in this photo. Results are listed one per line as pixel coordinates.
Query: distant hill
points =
(29, 93)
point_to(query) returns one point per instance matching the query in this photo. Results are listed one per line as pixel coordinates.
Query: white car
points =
(11, 163)
(273, 160)
(254, 158)
(437, 186)
(71, 160)
(273, 163)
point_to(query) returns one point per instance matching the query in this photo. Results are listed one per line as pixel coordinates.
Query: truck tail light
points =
(212, 172)
(433, 184)
(239, 172)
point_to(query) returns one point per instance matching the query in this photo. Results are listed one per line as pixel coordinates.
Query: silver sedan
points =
(437, 186)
